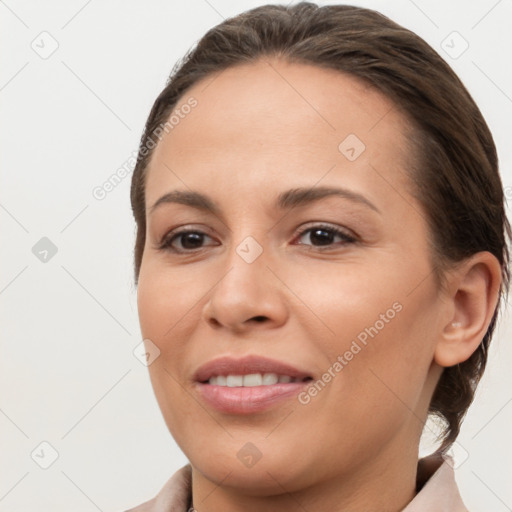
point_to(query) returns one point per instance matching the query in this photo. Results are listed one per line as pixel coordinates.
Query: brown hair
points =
(455, 176)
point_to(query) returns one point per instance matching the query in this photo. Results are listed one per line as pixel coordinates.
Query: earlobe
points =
(475, 293)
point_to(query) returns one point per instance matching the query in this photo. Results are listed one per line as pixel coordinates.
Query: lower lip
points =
(242, 400)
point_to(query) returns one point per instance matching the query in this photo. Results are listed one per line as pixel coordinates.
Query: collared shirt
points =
(436, 488)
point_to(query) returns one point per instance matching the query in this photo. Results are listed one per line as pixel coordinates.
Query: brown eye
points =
(184, 241)
(321, 236)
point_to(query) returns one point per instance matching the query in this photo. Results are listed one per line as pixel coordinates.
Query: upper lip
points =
(245, 366)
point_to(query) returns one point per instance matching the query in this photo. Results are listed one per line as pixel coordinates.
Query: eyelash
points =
(166, 244)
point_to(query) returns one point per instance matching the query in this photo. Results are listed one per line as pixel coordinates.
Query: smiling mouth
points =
(250, 393)
(252, 380)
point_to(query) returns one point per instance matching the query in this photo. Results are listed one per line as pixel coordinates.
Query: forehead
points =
(266, 120)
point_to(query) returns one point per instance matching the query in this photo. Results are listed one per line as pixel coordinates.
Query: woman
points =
(321, 255)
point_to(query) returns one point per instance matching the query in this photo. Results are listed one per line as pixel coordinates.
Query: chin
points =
(262, 474)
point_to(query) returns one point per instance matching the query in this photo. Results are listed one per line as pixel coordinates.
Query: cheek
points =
(380, 333)
(163, 299)
(385, 363)
(351, 301)
(160, 309)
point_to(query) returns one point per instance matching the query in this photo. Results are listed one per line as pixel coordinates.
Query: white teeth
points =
(254, 379)
(234, 381)
(270, 378)
(251, 380)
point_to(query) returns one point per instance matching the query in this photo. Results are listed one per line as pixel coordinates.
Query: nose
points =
(249, 295)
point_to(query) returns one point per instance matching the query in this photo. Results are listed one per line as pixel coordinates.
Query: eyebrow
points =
(285, 201)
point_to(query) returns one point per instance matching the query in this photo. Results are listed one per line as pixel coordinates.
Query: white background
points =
(67, 372)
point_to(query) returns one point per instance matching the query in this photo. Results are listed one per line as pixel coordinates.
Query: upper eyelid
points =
(297, 233)
(302, 228)
(186, 229)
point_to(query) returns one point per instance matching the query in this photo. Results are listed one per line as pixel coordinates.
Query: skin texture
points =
(258, 130)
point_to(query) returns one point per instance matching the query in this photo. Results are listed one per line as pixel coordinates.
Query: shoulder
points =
(437, 488)
(175, 495)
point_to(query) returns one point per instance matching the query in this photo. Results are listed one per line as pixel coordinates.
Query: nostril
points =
(214, 322)
(260, 318)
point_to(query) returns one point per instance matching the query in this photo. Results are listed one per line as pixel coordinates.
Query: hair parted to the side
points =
(454, 168)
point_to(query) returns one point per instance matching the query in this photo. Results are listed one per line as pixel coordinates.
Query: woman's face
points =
(338, 286)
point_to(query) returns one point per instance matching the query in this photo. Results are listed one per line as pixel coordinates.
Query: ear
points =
(474, 293)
